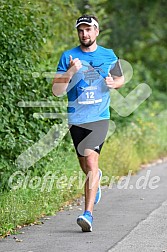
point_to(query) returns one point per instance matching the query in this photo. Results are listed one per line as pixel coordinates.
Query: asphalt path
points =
(131, 217)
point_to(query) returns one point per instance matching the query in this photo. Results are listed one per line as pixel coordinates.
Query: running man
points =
(87, 73)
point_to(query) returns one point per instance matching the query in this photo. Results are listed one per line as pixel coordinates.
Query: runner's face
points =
(87, 34)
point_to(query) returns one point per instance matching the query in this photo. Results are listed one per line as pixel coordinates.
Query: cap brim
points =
(82, 23)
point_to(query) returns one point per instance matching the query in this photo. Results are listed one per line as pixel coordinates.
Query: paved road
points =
(125, 220)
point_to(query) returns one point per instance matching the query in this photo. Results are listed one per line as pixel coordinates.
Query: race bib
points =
(89, 95)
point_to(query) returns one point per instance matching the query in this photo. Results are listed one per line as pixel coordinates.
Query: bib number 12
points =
(90, 95)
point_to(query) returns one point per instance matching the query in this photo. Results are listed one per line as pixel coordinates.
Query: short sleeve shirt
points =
(88, 95)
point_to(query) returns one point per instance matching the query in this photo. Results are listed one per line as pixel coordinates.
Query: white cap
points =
(86, 20)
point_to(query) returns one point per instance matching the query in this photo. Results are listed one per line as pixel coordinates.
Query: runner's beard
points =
(87, 44)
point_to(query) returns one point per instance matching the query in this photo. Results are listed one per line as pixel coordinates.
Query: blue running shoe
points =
(98, 194)
(85, 221)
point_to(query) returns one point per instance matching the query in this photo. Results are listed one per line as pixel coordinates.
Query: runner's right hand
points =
(75, 64)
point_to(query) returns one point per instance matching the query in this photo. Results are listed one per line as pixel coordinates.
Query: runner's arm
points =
(60, 82)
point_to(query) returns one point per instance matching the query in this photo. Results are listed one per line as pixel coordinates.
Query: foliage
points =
(20, 39)
(140, 142)
(139, 36)
(27, 29)
(32, 196)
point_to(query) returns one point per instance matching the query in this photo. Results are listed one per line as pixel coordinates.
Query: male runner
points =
(87, 73)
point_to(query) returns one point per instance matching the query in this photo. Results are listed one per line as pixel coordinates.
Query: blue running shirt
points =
(88, 95)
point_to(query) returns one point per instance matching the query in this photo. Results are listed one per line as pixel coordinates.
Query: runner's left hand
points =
(110, 81)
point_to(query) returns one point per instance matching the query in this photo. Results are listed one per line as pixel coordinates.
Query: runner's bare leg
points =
(89, 165)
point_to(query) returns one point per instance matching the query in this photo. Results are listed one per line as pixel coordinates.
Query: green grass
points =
(38, 193)
(144, 140)
(33, 195)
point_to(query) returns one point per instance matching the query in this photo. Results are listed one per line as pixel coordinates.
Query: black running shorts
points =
(89, 136)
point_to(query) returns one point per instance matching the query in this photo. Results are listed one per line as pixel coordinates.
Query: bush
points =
(144, 140)
(20, 40)
(26, 45)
